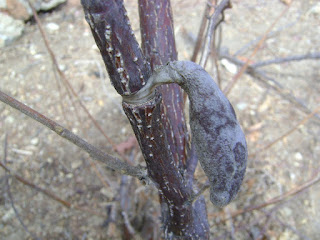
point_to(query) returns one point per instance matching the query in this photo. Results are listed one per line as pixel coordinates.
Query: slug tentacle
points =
(220, 143)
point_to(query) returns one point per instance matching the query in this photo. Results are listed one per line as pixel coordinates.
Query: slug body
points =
(219, 141)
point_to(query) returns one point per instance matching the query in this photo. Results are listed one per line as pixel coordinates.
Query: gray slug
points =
(220, 143)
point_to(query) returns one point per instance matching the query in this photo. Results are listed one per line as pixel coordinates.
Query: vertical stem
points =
(159, 124)
(158, 44)
(147, 123)
(110, 26)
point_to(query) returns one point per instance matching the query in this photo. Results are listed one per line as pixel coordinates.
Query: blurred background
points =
(274, 101)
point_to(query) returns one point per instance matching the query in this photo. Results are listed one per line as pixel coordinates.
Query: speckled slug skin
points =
(220, 143)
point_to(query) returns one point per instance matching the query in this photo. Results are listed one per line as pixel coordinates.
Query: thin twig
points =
(95, 153)
(48, 193)
(311, 56)
(199, 41)
(5, 147)
(95, 169)
(231, 225)
(92, 164)
(202, 28)
(127, 223)
(69, 86)
(214, 53)
(203, 188)
(213, 23)
(54, 60)
(63, 111)
(256, 49)
(270, 82)
(315, 179)
(32, 185)
(125, 199)
(293, 229)
(243, 49)
(266, 223)
(216, 65)
(303, 121)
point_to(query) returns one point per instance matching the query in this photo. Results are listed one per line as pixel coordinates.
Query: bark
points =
(158, 45)
(159, 124)
(126, 65)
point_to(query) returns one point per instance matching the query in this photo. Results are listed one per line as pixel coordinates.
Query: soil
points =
(51, 163)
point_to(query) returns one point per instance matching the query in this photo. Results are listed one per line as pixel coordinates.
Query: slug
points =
(219, 141)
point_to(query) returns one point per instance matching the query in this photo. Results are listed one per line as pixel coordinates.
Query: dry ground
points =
(40, 156)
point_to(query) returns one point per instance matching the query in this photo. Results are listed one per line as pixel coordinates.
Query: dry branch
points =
(32, 185)
(108, 160)
(270, 82)
(308, 56)
(314, 180)
(71, 92)
(25, 227)
(48, 193)
(256, 49)
(213, 23)
(203, 25)
(279, 30)
(303, 121)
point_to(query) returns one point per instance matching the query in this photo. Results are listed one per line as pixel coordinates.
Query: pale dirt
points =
(40, 156)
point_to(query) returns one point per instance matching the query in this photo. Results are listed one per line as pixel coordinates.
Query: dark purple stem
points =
(126, 65)
(158, 44)
(159, 124)
(159, 47)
